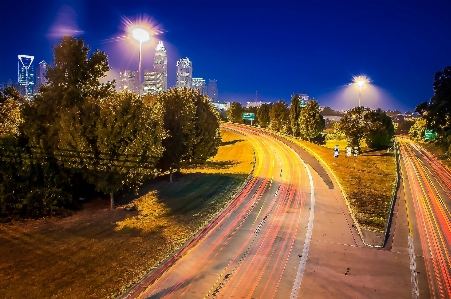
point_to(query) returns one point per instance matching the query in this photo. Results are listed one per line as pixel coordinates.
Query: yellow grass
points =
(369, 186)
(235, 156)
(97, 253)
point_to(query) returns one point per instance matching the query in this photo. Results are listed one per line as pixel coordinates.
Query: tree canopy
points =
(294, 115)
(311, 122)
(263, 115)
(354, 125)
(10, 115)
(380, 129)
(416, 131)
(192, 125)
(438, 111)
(235, 113)
(279, 116)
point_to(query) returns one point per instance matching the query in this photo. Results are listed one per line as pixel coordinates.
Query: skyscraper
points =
(25, 75)
(213, 90)
(184, 73)
(199, 84)
(128, 80)
(40, 75)
(156, 79)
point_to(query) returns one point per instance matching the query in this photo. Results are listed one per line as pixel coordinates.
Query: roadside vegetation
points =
(97, 253)
(369, 186)
(78, 136)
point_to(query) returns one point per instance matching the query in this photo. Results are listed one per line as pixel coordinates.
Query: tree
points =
(311, 122)
(336, 134)
(279, 116)
(235, 113)
(127, 142)
(354, 126)
(380, 129)
(438, 111)
(192, 125)
(68, 103)
(179, 112)
(73, 78)
(294, 114)
(207, 135)
(416, 131)
(10, 114)
(263, 115)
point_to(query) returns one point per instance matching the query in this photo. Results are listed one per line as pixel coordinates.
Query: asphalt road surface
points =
(429, 194)
(289, 235)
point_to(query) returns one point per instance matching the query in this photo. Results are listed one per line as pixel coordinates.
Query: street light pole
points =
(360, 93)
(360, 81)
(141, 35)
(139, 68)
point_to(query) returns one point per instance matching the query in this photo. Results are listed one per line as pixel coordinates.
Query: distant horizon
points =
(313, 47)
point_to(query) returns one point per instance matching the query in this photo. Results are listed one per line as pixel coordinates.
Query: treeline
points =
(436, 114)
(79, 134)
(306, 123)
(359, 124)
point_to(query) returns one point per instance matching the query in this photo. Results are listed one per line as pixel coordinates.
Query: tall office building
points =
(25, 75)
(213, 90)
(184, 73)
(40, 75)
(128, 80)
(156, 79)
(199, 84)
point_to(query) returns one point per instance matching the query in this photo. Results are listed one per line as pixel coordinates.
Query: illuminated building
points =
(40, 75)
(199, 84)
(213, 90)
(184, 73)
(25, 75)
(128, 80)
(156, 79)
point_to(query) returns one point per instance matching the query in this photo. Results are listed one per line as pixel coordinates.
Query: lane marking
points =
(413, 270)
(308, 237)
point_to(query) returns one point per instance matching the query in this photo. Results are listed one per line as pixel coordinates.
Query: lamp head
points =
(360, 83)
(140, 34)
(361, 80)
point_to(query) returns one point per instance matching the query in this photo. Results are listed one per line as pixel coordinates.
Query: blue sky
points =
(275, 47)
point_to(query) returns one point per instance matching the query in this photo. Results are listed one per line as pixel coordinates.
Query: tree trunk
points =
(111, 201)
(170, 176)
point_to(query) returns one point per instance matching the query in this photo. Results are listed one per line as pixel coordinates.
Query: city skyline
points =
(278, 48)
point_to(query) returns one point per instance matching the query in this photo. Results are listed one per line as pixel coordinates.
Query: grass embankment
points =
(368, 186)
(438, 152)
(96, 253)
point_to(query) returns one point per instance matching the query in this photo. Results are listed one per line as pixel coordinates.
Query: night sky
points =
(276, 47)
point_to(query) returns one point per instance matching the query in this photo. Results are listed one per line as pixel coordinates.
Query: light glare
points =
(140, 34)
(361, 80)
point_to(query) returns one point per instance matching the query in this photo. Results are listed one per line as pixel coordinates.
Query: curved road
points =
(256, 240)
(287, 235)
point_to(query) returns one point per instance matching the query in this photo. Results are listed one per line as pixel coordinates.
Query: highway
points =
(429, 186)
(288, 234)
(255, 240)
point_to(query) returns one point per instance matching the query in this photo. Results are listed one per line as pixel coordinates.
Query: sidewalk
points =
(339, 265)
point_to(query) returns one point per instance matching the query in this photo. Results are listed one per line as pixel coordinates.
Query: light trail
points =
(429, 181)
(253, 239)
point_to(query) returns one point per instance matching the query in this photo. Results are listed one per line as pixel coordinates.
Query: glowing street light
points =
(141, 35)
(360, 81)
